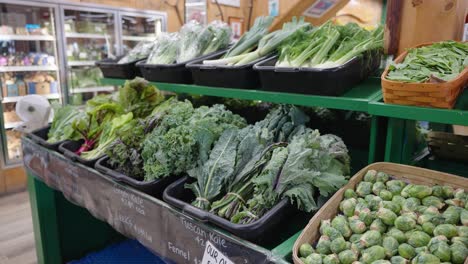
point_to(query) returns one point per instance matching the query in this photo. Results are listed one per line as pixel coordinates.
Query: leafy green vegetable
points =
(166, 49)
(139, 52)
(139, 97)
(61, 128)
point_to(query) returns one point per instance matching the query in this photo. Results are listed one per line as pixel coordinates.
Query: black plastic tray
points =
(111, 69)
(40, 137)
(242, 77)
(68, 149)
(154, 188)
(260, 231)
(330, 82)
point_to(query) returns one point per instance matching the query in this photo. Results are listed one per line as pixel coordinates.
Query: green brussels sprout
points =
(428, 227)
(366, 216)
(372, 254)
(356, 247)
(387, 216)
(348, 206)
(448, 192)
(338, 245)
(357, 226)
(452, 215)
(303, 260)
(347, 256)
(331, 259)
(398, 260)
(357, 262)
(370, 238)
(464, 217)
(462, 231)
(350, 193)
(399, 200)
(463, 240)
(412, 215)
(324, 224)
(378, 225)
(438, 191)
(340, 223)
(459, 194)
(405, 223)
(397, 234)
(386, 195)
(425, 258)
(391, 206)
(359, 207)
(439, 247)
(305, 250)
(419, 239)
(446, 230)
(411, 204)
(418, 228)
(364, 188)
(371, 176)
(314, 258)
(419, 191)
(459, 253)
(433, 201)
(381, 261)
(421, 250)
(406, 251)
(432, 210)
(355, 238)
(375, 203)
(395, 186)
(421, 209)
(323, 245)
(382, 177)
(332, 233)
(404, 193)
(455, 202)
(378, 187)
(390, 244)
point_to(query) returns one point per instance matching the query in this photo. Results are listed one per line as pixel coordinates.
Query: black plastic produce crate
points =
(243, 77)
(68, 148)
(111, 69)
(40, 136)
(330, 82)
(260, 231)
(154, 187)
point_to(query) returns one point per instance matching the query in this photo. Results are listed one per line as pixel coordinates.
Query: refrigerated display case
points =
(28, 64)
(136, 27)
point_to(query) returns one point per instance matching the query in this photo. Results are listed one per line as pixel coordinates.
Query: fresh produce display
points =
(250, 170)
(439, 62)
(385, 220)
(61, 128)
(139, 52)
(328, 45)
(193, 40)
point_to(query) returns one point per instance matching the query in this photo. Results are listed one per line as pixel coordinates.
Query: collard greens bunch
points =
(385, 220)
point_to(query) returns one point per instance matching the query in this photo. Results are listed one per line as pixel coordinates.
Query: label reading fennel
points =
(213, 256)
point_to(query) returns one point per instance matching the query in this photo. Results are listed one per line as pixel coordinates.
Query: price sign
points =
(213, 256)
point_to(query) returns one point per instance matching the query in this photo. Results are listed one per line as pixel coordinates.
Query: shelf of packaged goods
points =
(138, 38)
(356, 99)
(86, 35)
(27, 37)
(10, 125)
(81, 63)
(34, 68)
(14, 99)
(93, 89)
(456, 116)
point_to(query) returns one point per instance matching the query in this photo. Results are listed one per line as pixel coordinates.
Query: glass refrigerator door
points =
(28, 65)
(137, 27)
(90, 36)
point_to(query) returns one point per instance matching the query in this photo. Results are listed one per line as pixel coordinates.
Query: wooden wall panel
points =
(14, 179)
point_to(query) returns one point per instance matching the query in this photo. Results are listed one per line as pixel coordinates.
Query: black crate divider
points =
(40, 136)
(111, 69)
(68, 149)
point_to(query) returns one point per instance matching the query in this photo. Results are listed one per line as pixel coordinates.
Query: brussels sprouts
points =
(360, 206)
(448, 191)
(462, 231)
(419, 239)
(404, 193)
(438, 191)
(356, 247)
(371, 176)
(459, 253)
(378, 225)
(406, 251)
(411, 204)
(340, 223)
(387, 216)
(372, 254)
(357, 262)
(421, 209)
(399, 200)
(366, 216)
(381, 261)
(433, 201)
(398, 260)
(364, 188)
(405, 223)
(370, 238)
(452, 215)
(397, 234)
(419, 191)
(374, 203)
(439, 247)
(395, 186)
(347, 256)
(390, 244)
(428, 227)
(431, 210)
(425, 258)
(412, 215)
(446, 230)
(464, 217)
(304, 260)
(459, 194)
(391, 206)
(350, 193)
(386, 195)
(323, 245)
(324, 224)
(338, 245)
(355, 238)
(331, 259)
(382, 177)
(314, 258)
(455, 202)
(332, 233)
(463, 240)
(357, 226)
(421, 250)
(348, 206)
(378, 187)
(305, 250)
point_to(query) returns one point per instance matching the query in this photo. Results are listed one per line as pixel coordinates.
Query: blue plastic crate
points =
(128, 251)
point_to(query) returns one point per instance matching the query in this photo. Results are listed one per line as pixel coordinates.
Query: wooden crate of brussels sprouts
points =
(390, 213)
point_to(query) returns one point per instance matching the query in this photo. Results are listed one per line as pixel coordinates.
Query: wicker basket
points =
(448, 146)
(439, 95)
(410, 174)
